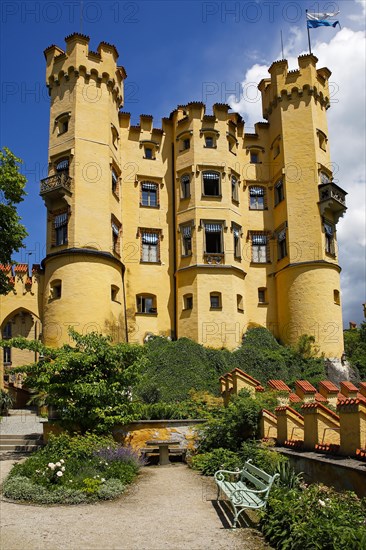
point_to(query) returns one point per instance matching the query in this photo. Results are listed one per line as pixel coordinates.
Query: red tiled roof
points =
(348, 386)
(363, 385)
(341, 397)
(268, 412)
(305, 386)
(321, 407)
(21, 268)
(287, 408)
(5, 268)
(329, 386)
(294, 398)
(259, 388)
(296, 443)
(361, 397)
(320, 397)
(278, 385)
(348, 401)
(246, 376)
(331, 448)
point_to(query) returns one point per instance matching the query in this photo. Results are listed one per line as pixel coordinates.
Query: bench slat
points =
(256, 482)
(257, 472)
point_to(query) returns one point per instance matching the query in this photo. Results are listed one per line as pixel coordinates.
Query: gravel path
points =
(170, 507)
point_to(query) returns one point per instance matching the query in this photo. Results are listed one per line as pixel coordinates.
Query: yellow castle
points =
(194, 229)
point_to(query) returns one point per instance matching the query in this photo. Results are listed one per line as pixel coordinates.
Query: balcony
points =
(56, 186)
(332, 198)
(214, 258)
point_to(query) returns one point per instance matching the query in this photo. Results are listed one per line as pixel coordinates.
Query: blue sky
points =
(175, 52)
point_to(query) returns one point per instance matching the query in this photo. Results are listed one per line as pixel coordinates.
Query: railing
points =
(330, 191)
(62, 180)
(214, 258)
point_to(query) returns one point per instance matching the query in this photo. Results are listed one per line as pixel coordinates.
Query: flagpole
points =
(306, 11)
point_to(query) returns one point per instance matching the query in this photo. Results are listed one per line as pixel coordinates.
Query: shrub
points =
(314, 518)
(23, 489)
(112, 488)
(269, 461)
(219, 459)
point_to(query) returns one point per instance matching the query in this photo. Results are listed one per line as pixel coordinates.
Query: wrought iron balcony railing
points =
(214, 258)
(59, 182)
(333, 198)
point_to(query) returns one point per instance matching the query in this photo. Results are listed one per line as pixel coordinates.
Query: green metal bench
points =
(246, 489)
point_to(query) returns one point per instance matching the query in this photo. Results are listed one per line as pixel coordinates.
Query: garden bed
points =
(73, 470)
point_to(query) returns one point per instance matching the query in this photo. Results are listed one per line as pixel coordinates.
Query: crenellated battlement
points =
(22, 279)
(296, 84)
(77, 61)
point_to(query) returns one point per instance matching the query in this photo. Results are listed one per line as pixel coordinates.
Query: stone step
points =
(22, 412)
(19, 440)
(19, 448)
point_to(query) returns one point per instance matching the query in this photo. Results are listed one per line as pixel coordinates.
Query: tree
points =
(12, 232)
(355, 348)
(89, 384)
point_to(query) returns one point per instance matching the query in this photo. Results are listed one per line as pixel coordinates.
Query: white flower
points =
(63, 469)
(59, 474)
(70, 480)
(62, 461)
(102, 480)
(58, 464)
(321, 502)
(51, 465)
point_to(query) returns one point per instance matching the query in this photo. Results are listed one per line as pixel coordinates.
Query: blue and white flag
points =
(315, 20)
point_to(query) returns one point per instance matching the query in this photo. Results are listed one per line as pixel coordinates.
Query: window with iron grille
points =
(260, 253)
(211, 184)
(186, 231)
(256, 198)
(60, 228)
(6, 356)
(7, 330)
(150, 250)
(214, 238)
(149, 194)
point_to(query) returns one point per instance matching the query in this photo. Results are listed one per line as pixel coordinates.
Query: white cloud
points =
(356, 17)
(344, 55)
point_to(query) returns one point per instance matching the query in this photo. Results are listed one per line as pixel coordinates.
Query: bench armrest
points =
(219, 475)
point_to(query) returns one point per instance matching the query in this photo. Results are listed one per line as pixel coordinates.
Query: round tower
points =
(83, 282)
(307, 204)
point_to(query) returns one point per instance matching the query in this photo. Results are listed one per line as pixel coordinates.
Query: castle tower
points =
(307, 204)
(83, 281)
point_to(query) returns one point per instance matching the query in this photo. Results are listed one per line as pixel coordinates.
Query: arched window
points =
(185, 183)
(211, 183)
(62, 165)
(146, 303)
(215, 300)
(188, 301)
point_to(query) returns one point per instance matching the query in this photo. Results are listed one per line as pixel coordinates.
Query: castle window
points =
(254, 157)
(7, 356)
(256, 198)
(185, 186)
(62, 165)
(337, 297)
(211, 184)
(115, 136)
(150, 249)
(186, 144)
(234, 189)
(114, 293)
(279, 192)
(149, 194)
(262, 295)
(60, 228)
(232, 142)
(148, 153)
(186, 240)
(7, 331)
(329, 238)
(146, 304)
(188, 301)
(236, 229)
(214, 238)
(324, 178)
(322, 138)
(239, 303)
(115, 186)
(55, 289)
(276, 151)
(116, 234)
(281, 244)
(209, 142)
(260, 252)
(215, 300)
(62, 123)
